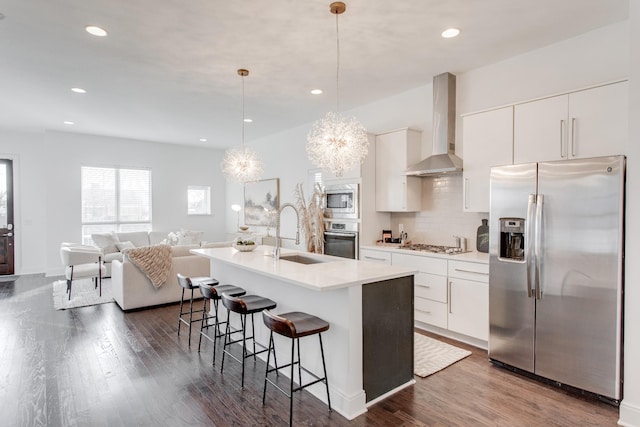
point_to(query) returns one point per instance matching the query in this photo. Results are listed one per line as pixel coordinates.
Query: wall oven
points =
(341, 201)
(341, 239)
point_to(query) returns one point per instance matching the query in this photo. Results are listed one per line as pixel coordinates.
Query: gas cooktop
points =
(437, 249)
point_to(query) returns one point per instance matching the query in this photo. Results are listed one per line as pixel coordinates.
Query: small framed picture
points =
(261, 201)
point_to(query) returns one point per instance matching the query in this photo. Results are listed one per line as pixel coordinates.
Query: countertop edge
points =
(399, 271)
(479, 257)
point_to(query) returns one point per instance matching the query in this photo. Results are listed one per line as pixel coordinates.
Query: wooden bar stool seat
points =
(294, 325)
(243, 305)
(191, 284)
(214, 294)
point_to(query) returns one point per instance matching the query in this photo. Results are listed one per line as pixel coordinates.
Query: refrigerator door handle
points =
(529, 239)
(538, 245)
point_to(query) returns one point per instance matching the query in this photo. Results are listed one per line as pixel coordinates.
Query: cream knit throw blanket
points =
(153, 261)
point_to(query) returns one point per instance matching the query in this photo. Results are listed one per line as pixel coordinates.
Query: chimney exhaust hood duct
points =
(443, 159)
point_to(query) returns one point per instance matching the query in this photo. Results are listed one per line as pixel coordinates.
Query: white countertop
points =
(467, 256)
(335, 273)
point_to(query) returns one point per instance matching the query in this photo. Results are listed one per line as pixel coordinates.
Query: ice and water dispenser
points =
(512, 239)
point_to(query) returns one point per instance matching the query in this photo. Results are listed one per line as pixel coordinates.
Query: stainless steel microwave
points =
(341, 201)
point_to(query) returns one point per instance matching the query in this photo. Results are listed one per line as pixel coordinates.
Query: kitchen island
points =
(369, 346)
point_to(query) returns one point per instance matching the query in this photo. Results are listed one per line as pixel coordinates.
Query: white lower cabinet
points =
(381, 257)
(450, 294)
(430, 287)
(469, 299)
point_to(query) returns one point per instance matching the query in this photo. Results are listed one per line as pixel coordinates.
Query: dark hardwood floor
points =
(98, 366)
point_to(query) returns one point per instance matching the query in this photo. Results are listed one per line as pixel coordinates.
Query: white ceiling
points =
(167, 70)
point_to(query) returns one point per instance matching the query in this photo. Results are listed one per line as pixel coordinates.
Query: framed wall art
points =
(261, 202)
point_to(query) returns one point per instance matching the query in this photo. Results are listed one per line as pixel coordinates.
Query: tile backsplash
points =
(441, 216)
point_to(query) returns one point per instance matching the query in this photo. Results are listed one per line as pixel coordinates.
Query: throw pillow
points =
(123, 246)
(171, 239)
(188, 237)
(105, 241)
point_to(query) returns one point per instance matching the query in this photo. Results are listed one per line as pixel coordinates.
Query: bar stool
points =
(294, 325)
(213, 294)
(247, 304)
(191, 283)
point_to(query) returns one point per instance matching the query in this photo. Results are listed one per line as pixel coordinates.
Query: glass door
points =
(6, 217)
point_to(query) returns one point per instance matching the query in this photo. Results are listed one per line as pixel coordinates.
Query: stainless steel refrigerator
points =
(556, 271)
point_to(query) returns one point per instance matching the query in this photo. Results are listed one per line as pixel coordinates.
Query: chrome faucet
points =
(276, 250)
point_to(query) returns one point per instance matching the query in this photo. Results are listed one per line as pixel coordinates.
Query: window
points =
(115, 200)
(198, 200)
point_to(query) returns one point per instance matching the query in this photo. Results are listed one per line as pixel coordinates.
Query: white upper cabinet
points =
(588, 123)
(599, 121)
(487, 141)
(395, 152)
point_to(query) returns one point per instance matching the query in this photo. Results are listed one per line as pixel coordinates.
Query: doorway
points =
(6, 218)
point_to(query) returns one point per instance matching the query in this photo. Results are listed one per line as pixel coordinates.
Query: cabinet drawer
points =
(421, 263)
(431, 286)
(431, 312)
(375, 256)
(469, 270)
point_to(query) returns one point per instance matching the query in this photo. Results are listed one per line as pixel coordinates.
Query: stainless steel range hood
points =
(443, 159)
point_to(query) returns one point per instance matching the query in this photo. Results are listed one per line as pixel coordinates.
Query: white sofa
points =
(112, 244)
(132, 289)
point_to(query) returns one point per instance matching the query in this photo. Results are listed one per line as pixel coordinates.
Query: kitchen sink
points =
(302, 259)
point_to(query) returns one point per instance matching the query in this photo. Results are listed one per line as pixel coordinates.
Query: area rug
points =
(83, 294)
(431, 356)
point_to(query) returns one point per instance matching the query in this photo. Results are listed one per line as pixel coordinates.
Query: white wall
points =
(630, 407)
(599, 56)
(47, 188)
(29, 170)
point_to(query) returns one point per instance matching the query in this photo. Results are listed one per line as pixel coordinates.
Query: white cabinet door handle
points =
(466, 193)
(573, 137)
(470, 271)
(374, 258)
(561, 138)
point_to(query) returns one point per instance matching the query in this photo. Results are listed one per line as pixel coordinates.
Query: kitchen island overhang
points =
(369, 346)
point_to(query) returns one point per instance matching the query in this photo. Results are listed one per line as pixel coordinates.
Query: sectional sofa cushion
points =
(105, 241)
(138, 238)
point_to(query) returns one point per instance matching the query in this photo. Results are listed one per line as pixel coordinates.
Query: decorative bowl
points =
(244, 247)
(243, 228)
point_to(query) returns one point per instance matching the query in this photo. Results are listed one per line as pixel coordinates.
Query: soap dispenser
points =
(482, 238)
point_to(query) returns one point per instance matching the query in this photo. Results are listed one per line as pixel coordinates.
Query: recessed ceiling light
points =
(450, 32)
(316, 91)
(248, 120)
(67, 122)
(203, 139)
(96, 31)
(78, 90)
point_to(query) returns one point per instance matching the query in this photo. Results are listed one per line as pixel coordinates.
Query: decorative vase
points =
(482, 238)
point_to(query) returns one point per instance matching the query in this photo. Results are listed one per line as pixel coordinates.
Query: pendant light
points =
(336, 142)
(242, 165)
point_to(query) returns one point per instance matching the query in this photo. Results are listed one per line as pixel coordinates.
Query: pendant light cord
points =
(337, 66)
(242, 111)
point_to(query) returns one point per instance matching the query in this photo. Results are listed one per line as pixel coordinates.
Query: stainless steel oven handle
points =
(332, 233)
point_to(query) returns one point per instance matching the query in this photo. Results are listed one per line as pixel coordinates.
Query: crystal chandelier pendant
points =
(336, 142)
(242, 164)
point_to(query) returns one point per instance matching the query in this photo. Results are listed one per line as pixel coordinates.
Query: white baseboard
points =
(629, 414)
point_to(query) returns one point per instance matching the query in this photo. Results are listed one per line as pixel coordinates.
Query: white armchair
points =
(82, 261)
